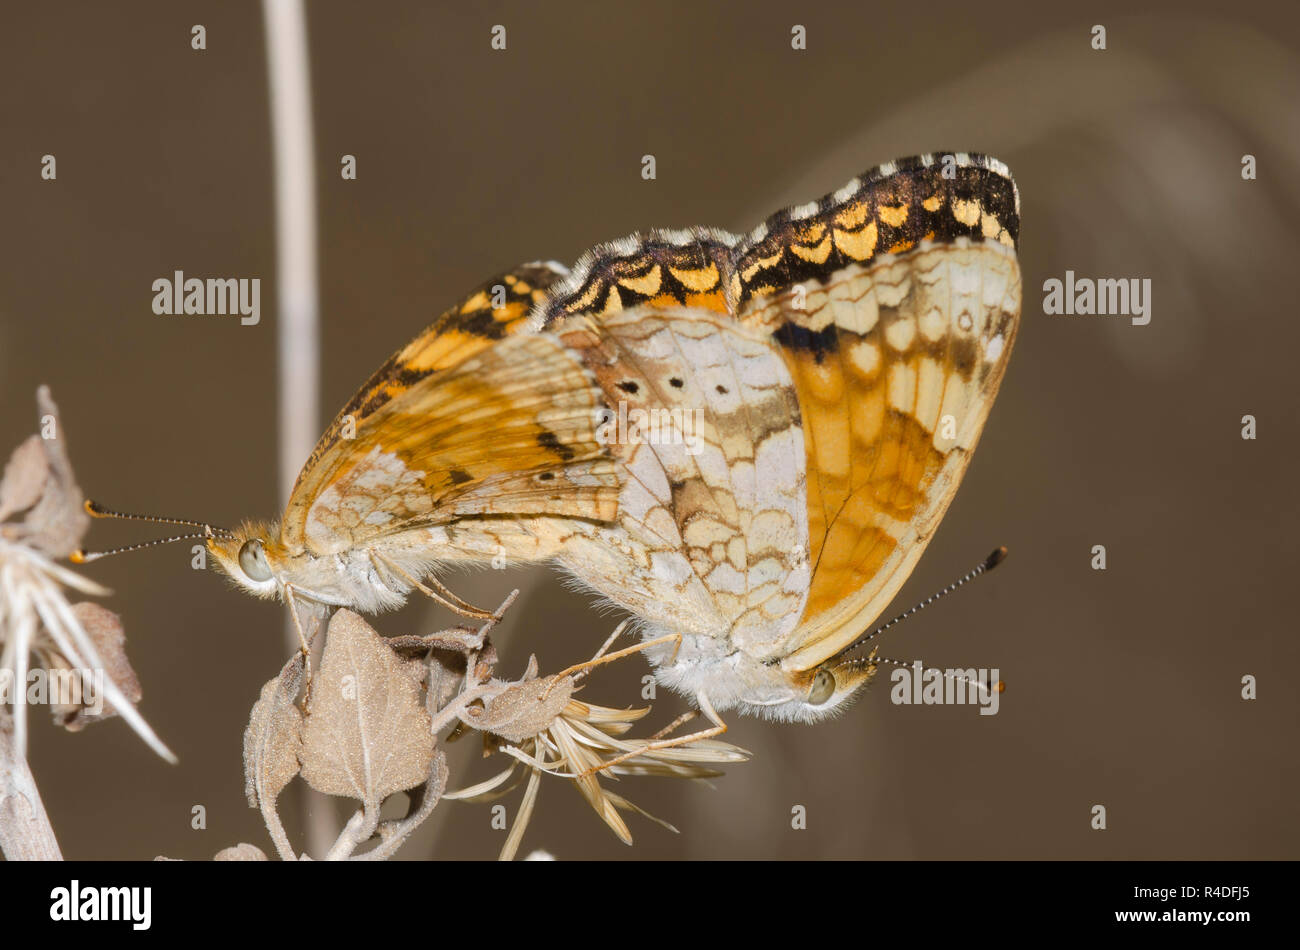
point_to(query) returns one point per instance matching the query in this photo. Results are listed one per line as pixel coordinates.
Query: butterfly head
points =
(222, 543)
(734, 679)
(250, 554)
(830, 688)
(252, 557)
(806, 695)
(257, 560)
(832, 684)
(771, 688)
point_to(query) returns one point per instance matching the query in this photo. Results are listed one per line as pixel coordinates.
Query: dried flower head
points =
(42, 517)
(538, 723)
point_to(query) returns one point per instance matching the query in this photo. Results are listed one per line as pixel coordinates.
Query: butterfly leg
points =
(618, 632)
(474, 645)
(442, 595)
(477, 675)
(673, 726)
(303, 641)
(601, 657)
(706, 707)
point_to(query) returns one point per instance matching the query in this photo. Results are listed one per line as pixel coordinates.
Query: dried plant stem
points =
(359, 828)
(394, 833)
(298, 313)
(25, 830)
(276, 829)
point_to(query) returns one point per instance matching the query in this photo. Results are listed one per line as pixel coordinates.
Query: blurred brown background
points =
(1123, 685)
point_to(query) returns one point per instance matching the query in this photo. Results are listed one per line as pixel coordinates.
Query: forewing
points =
(895, 304)
(471, 418)
(660, 269)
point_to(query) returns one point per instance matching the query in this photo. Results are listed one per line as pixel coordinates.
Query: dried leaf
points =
(522, 710)
(273, 739)
(24, 477)
(104, 628)
(424, 799)
(443, 680)
(367, 733)
(242, 852)
(58, 521)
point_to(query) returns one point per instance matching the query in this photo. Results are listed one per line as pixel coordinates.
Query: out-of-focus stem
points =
(298, 312)
(25, 830)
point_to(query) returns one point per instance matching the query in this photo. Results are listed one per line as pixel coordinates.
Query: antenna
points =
(95, 510)
(81, 556)
(993, 560)
(987, 689)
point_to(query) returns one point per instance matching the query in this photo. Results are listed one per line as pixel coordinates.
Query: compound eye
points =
(252, 560)
(823, 688)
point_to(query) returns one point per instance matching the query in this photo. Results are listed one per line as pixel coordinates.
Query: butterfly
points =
(839, 362)
(835, 366)
(457, 450)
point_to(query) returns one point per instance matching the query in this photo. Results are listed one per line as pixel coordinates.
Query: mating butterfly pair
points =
(837, 364)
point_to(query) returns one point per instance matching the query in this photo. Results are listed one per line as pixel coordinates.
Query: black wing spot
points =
(459, 476)
(628, 386)
(545, 476)
(484, 324)
(547, 440)
(802, 340)
(722, 390)
(676, 383)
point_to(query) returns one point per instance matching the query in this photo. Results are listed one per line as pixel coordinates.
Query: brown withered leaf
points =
(273, 739)
(443, 680)
(24, 477)
(367, 734)
(521, 710)
(242, 852)
(57, 522)
(104, 628)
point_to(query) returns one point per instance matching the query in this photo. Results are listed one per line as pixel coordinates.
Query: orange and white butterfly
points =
(840, 362)
(837, 363)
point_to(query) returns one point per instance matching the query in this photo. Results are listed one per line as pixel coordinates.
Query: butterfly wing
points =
(705, 427)
(656, 270)
(473, 417)
(895, 304)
